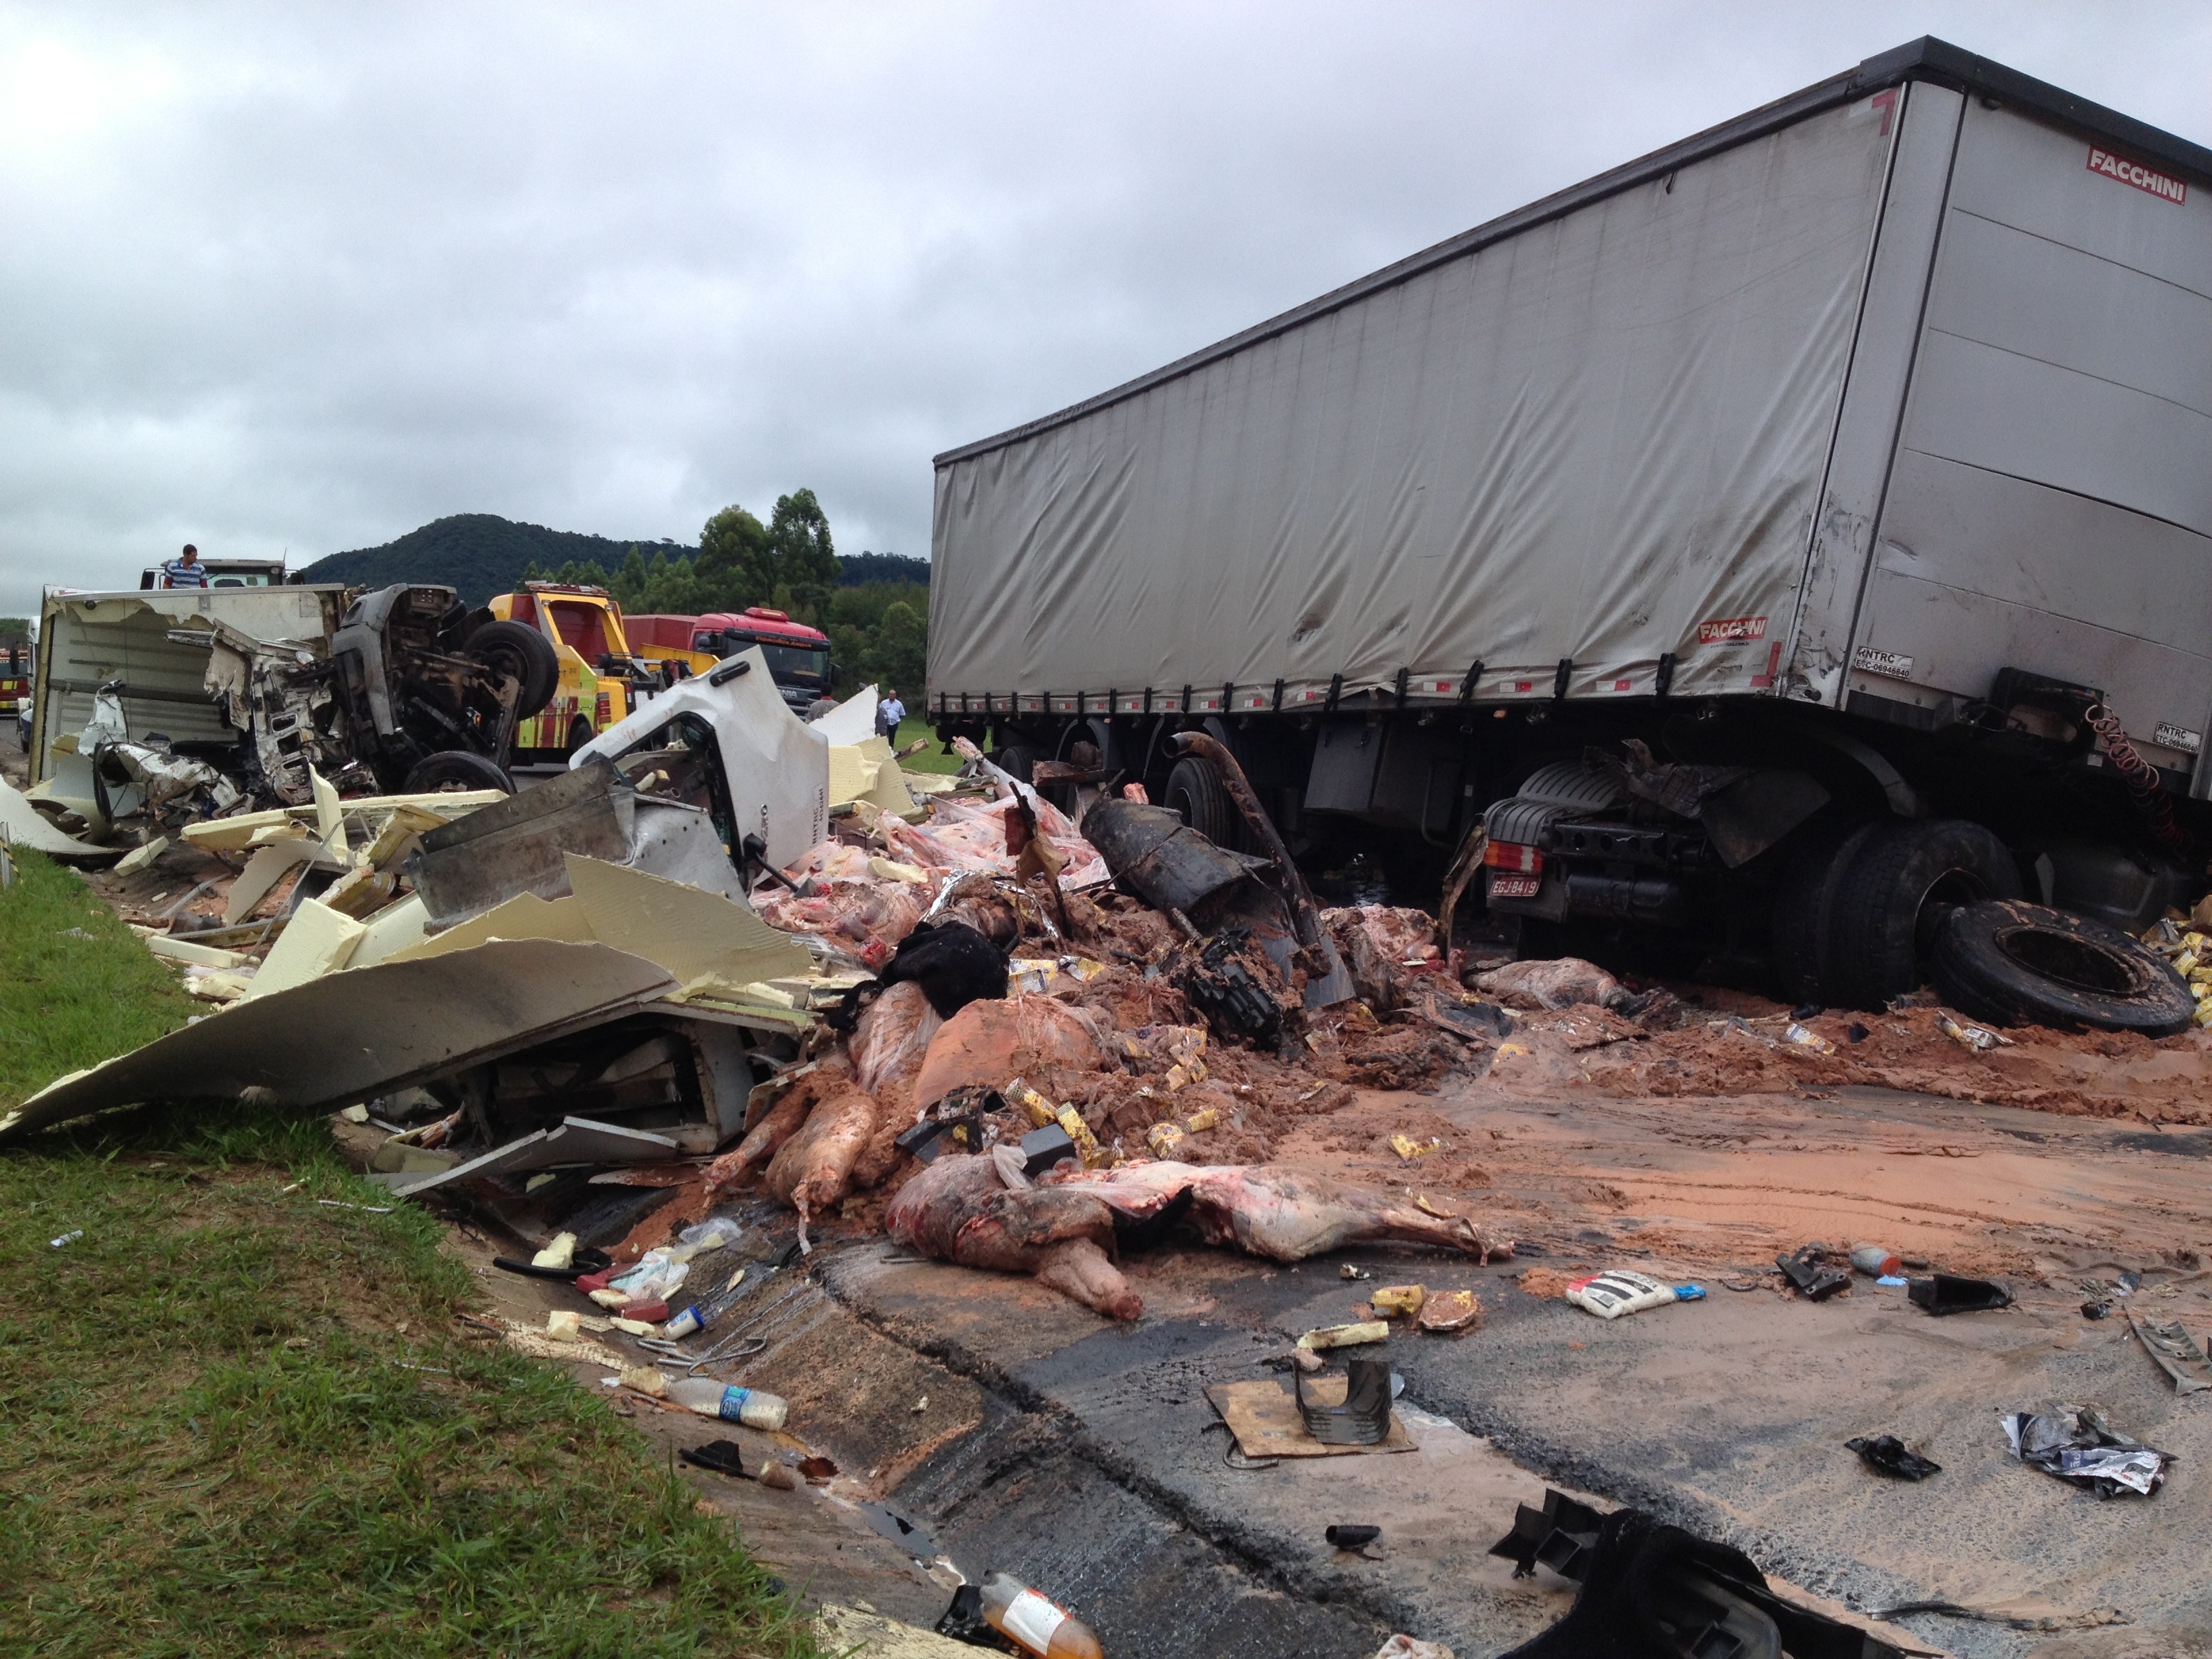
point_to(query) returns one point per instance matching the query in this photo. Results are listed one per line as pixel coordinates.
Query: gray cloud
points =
(304, 277)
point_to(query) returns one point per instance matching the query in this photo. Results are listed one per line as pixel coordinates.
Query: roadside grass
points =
(242, 1418)
(932, 759)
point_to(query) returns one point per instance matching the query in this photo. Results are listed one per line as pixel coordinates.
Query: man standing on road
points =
(888, 713)
(185, 570)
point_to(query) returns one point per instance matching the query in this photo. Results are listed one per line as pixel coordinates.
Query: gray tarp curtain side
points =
(1599, 439)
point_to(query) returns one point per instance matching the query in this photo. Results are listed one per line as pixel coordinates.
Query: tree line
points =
(880, 632)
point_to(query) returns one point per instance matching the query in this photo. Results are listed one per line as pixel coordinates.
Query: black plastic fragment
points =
(585, 1260)
(2096, 1311)
(1802, 1268)
(722, 1457)
(1560, 1535)
(1884, 1454)
(1948, 1293)
(1349, 1537)
(1043, 1149)
(963, 1621)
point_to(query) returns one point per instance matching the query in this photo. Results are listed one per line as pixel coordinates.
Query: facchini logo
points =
(1729, 629)
(2135, 172)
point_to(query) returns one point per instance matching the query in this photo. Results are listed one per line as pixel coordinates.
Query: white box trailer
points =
(1890, 403)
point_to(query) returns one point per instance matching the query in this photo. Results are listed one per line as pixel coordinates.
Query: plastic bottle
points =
(1035, 1624)
(750, 1406)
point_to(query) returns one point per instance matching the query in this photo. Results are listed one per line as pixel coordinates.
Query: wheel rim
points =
(1954, 887)
(2077, 963)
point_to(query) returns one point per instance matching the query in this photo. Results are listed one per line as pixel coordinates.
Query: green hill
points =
(482, 554)
(479, 553)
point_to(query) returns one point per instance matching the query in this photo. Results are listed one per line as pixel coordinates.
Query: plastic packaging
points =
(1035, 1624)
(708, 1398)
(1610, 1295)
(712, 1234)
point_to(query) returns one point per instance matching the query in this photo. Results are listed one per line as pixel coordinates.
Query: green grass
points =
(241, 1422)
(932, 759)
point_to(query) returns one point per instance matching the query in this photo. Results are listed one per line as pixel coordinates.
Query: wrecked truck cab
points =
(726, 741)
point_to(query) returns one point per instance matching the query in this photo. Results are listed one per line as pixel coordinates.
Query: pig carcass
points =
(1064, 1230)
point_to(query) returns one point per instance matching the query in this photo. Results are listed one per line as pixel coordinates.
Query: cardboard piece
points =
(1264, 1418)
(347, 1036)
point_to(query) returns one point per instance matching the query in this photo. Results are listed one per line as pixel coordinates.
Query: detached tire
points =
(521, 652)
(1890, 898)
(1194, 789)
(456, 768)
(2012, 964)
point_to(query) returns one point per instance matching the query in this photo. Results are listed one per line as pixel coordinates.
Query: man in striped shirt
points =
(185, 570)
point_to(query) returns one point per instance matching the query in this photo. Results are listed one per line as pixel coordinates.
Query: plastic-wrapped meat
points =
(958, 1210)
(783, 1119)
(1559, 983)
(854, 914)
(978, 901)
(890, 1042)
(815, 1165)
(830, 860)
(1399, 935)
(991, 1043)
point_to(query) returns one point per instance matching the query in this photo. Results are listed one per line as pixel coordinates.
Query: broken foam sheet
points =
(22, 825)
(349, 1036)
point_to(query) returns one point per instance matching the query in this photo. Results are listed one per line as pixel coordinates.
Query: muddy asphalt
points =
(1014, 1429)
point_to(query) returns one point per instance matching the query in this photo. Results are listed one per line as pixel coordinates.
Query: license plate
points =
(1503, 885)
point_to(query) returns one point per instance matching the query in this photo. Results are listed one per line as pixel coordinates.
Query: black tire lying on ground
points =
(517, 649)
(2013, 964)
(1195, 791)
(456, 768)
(1881, 929)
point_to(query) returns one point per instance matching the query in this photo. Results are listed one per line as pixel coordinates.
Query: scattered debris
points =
(1346, 1536)
(2178, 1353)
(1610, 1295)
(1450, 1312)
(1884, 1454)
(2076, 1444)
(1949, 1293)
(1802, 1268)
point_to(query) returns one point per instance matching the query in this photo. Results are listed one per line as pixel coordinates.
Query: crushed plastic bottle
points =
(750, 1406)
(1035, 1626)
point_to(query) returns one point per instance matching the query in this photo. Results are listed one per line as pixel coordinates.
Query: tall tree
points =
(735, 567)
(805, 557)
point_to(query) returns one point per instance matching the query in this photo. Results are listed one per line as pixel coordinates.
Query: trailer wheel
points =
(1805, 909)
(2021, 964)
(1019, 760)
(516, 649)
(1194, 789)
(456, 768)
(1892, 895)
(579, 734)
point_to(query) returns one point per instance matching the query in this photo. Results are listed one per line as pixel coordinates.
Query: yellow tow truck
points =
(598, 671)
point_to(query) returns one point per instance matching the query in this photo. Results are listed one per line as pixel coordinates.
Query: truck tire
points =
(1194, 789)
(516, 649)
(1018, 759)
(2012, 963)
(456, 768)
(1805, 910)
(1891, 896)
(579, 734)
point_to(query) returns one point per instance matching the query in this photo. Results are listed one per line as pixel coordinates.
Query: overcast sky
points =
(286, 278)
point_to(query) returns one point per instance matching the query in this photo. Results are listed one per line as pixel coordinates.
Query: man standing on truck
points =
(185, 570)
(888, 713)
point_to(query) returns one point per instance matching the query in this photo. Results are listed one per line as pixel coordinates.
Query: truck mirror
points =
(836, 674)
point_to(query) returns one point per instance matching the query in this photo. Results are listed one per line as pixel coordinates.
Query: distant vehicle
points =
(600, 677)
(798, 656)
(230, 573)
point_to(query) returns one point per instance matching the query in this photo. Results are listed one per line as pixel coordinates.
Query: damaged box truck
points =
(1747, 554)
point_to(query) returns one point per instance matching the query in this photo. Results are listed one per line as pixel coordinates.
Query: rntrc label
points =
(2169, 736)
(1888, 663)
(2166, 187)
